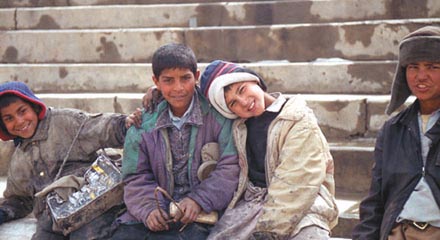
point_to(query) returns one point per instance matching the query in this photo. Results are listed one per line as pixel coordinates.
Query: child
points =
(404, 197)
(167, 151)
(289, 193)
(44, 137)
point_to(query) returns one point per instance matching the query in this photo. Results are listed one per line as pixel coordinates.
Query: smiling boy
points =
(288, 186)
(167, 152)
(45, 138)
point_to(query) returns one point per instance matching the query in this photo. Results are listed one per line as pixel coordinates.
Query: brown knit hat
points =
(420, 45)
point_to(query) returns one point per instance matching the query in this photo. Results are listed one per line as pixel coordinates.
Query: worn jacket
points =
(148, 161)
(36, 161)
(397, 170)
(299, 172)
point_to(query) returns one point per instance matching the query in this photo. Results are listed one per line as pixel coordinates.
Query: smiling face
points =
(177, 86)
(246, 99)
(20, 119)
(423, 80)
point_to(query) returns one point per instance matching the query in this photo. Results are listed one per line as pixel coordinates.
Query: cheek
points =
(9, 126)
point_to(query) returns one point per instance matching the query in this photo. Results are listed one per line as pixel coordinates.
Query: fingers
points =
(189, 216)
(138, 117)
(155, 221)
(134, 118)
(191, 210)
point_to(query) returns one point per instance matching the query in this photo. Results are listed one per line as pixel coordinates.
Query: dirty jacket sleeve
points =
(297, 169)
(48, 147)
(140, 184)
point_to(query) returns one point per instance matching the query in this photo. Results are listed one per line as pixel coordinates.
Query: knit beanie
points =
(21, 90)
(420, 45)
(219, 74)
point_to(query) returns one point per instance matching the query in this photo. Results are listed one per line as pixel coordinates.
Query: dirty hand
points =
(134, 118)
(156, 221)
(190, 209)
(151, 99)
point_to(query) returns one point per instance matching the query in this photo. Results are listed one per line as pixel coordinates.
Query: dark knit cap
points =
(219, 74)
(420, 45)
(20, 90)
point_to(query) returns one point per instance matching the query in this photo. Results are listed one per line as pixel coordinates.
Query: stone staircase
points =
(340, 54)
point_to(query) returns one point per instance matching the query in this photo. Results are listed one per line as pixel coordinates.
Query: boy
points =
(289, 192)
(167, 151)
(44, 137)
(404, 197)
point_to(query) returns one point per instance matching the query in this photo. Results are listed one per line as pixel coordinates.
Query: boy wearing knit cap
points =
(51, 142)
(286, 188)
(167, 152)
(404, 197)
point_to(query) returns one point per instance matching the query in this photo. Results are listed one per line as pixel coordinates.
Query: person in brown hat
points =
(404, 197)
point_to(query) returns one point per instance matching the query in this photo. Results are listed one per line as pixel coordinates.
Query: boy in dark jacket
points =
(167, 152)
(404, 197)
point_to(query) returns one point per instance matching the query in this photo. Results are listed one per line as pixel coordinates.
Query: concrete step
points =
(210, 14)
(23, 229)
(348, 205)
(46, 3)
(365, 40)
(327, 76)
(354, 161)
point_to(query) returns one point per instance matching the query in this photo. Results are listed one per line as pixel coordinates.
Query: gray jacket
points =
(36, 161)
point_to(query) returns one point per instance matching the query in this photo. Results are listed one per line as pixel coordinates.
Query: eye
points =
(241, 89)
(166, 80)
(7, 119)
(411, 67)
(435, 66)
(232, 104)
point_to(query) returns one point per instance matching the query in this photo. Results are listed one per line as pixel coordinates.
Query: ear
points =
(197, 77)
(156, 81)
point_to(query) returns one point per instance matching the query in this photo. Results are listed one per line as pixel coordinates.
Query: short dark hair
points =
(173, 55)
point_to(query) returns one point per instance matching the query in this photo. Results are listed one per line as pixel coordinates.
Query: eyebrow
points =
(238, 89)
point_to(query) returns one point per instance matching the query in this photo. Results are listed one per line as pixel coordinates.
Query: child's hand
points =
(151, 99)
(190, 210)
(134, 118)
(156, 221)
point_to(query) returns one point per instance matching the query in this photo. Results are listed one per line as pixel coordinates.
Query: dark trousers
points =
(138, 231)
(99, 228)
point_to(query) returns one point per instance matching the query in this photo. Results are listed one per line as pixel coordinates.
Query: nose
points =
(421, 74)
(242, 101)
(178, 86)
(19, 120)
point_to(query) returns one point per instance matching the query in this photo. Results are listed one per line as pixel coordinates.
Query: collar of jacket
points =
(410, 115)
(406, 116)
(41, 133)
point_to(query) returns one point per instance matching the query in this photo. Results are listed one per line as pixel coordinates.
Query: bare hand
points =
(151, 99)
(190, 209)
(156, 221)
(134, 118)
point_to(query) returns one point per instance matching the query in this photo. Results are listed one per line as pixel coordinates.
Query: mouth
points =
(422, 87)
(24, 128)
(251, 106)
(179, 97)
